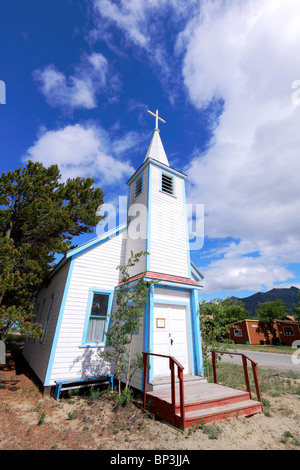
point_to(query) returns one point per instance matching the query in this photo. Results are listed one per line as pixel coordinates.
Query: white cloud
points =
(234, 274)
(78, 90)
(138, 19)
(245, 53)
(78, 150)
(145, 24)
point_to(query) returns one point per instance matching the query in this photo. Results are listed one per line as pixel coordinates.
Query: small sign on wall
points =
(160, 323)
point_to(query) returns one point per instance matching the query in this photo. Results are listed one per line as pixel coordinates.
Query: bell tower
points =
(157, 213)
(157, 224)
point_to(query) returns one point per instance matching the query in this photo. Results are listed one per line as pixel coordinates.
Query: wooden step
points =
(217, 413)
(164, 382)
(207, 401)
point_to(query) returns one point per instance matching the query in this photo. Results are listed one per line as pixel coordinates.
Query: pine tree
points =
(39, 215)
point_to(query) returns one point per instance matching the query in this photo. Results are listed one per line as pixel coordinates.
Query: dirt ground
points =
(28, 421)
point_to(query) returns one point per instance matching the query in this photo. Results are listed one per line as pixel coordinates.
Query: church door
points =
(170, 338)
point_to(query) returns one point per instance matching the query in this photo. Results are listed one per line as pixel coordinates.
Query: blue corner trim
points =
(187, 229)
(148, 232)
(58, 325)
(148, 331)
(197, 343)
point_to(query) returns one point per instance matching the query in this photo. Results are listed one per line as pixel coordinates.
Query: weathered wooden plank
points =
(210, 402)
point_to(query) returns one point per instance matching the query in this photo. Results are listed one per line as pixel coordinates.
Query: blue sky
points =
(80, 77)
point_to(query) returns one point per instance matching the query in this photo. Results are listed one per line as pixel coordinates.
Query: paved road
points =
(268, 360)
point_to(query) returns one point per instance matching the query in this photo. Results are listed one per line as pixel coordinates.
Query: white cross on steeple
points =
(156, 118)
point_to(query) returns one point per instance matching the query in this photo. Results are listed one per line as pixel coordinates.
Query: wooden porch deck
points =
(205, 401)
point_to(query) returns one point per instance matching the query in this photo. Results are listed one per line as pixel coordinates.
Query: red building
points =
(252, 332)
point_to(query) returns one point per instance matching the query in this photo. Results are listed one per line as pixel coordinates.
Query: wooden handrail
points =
(180, 368)
(245, 366)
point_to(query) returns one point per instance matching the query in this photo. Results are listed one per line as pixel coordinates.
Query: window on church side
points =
(98, 317)
(138, 186)
(167, 184)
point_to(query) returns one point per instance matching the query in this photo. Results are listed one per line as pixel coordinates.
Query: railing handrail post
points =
(254, 369)
(181, 391)
(145, 362)
(173, 394)
(213, 357)
(245, 358)
(172, 362)
(245, 366)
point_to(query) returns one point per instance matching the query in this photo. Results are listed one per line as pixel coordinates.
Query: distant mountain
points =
(289, 297)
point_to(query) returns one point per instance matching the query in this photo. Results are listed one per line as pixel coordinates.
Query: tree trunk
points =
(7, 234)
(129, 362)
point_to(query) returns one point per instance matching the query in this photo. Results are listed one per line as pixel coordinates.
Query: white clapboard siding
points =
(95, 268)
(37, 353)
(169, 241)
(137, 229)
(137, 347)
(171, 295)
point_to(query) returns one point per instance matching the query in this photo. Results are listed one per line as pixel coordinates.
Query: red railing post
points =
(246, 374)
(213, 358)
(254, 368)
(172, 362)
(173, 394)
(181, 391)
(145, 362)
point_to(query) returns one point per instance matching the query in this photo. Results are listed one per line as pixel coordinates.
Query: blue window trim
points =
(93, 291)
(47, 317)
(170, 175)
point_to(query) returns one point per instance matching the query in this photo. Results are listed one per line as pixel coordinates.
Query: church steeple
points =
(157, 214)
(156, 149)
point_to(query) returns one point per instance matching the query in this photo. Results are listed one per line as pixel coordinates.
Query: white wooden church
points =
(75, 302)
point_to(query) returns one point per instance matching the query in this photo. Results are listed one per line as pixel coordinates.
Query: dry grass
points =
(94, 421)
